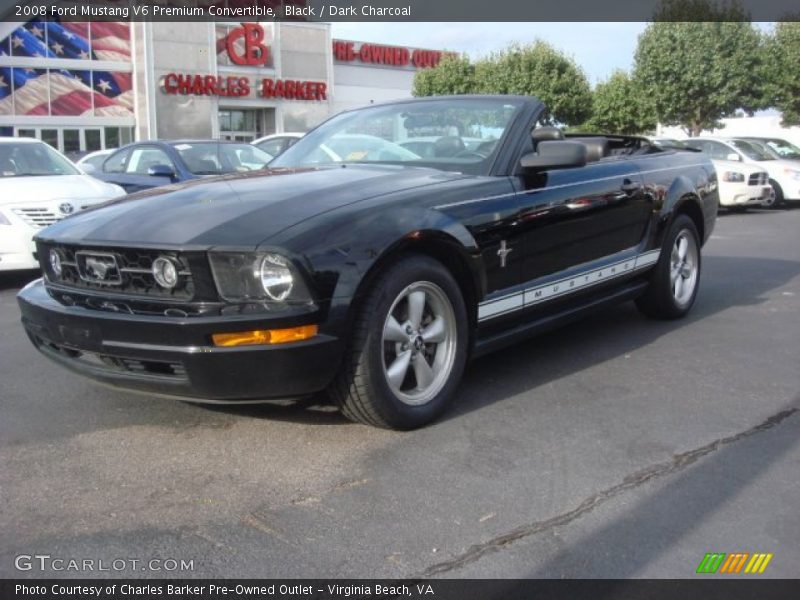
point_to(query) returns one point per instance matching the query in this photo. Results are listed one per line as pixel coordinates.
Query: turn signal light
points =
(265, 336)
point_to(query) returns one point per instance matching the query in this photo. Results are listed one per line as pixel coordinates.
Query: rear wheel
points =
(408, 349)
(675, 279)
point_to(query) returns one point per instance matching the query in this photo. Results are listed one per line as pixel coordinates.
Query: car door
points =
(582, 216)
(130, 167)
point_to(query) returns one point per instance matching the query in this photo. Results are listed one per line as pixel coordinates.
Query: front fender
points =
(343, 249)
(695, 194)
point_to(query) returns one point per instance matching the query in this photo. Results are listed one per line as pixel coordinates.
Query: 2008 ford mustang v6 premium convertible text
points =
(358, 266)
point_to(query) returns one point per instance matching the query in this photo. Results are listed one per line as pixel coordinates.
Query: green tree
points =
(538, 70)
(621, 107)
(700, 10)
(698, 72)
(453, 75)
(783, 58)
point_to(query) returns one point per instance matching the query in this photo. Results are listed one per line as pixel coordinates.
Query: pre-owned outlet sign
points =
(393, 56)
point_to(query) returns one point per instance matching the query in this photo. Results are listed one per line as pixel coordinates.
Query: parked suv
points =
(784, 175)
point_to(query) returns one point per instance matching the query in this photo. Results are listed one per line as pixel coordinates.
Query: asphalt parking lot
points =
(616, 447)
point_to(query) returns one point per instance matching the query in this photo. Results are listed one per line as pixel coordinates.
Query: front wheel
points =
(408, 349)
(777, 193)
(676, 277)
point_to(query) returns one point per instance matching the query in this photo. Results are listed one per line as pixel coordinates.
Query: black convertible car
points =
(356, 266)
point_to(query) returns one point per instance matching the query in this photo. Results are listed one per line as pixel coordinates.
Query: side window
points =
(718, 151)
(273, 146)
(116, 162)
(144, 158)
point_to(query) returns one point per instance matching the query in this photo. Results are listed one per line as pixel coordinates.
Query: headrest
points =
(596, 147)
(448, 146)
(541, 134)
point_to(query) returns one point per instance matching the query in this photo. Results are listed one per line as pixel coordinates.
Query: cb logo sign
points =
(255, 51)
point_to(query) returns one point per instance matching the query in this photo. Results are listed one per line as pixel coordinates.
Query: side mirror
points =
(733, 156)
(161, 171)
(555, 154)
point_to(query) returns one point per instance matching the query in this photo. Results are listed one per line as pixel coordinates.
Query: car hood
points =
(33, 190)
(734, 165)
(774, 167)
(235, 210)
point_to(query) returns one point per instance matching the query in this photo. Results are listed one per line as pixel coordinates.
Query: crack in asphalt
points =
(635, 480)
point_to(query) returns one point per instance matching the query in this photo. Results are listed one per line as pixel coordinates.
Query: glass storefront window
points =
(240, 125)
(72, 140)
(92, 140)
(31, 92)
(31, 133)
(112, 137)
(50, 136)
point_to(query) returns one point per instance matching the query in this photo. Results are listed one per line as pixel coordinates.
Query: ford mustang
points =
(371, 272)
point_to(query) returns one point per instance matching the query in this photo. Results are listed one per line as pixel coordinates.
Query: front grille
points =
(107, 362)
(37, 217)
(131, 275)
(758, 179)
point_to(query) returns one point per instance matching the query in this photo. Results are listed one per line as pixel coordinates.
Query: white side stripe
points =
(562, 287)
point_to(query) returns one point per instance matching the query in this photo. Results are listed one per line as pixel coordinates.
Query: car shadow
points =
(604, 336)
(614, 332)
(14, 280)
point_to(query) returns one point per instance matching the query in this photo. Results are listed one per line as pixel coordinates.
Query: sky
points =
(597, 47)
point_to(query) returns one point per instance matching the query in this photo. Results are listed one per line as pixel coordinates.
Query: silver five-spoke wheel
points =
(683, 268)
(419, 343)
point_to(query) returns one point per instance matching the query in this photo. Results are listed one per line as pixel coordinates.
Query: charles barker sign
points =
(245, 46)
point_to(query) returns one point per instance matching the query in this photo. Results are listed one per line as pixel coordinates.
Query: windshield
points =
(25, 159)
(457, 135)
(751, 150)
(782, 148)
(207, 158)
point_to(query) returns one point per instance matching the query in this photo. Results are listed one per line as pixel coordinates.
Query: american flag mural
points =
(67, 92)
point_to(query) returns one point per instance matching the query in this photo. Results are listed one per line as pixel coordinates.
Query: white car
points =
(784, 175)
(277, 142)
(740, 185)
(94, 160)
(39, 186)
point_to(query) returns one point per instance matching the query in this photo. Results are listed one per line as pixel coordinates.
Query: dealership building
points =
(89, 86)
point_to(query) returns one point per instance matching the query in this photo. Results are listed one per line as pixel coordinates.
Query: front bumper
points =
(17, 248)
(173, 355)
(742, 194)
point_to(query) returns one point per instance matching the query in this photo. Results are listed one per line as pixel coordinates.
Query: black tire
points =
(362, 389)
(659, 301)
(779, 199)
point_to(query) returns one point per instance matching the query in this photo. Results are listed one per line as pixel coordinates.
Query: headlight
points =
(4, 220)
(793, 173)
(165, 272)
(258, 277)
(733, 176)
(55, 262)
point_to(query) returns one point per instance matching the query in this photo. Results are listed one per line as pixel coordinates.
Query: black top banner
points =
(400, 10)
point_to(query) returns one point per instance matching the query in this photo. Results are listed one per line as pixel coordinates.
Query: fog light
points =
(55, 263)
(165, 272)
(265, 336)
